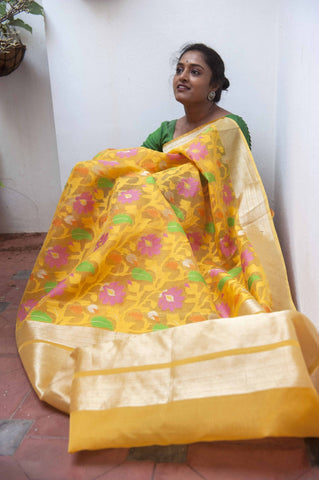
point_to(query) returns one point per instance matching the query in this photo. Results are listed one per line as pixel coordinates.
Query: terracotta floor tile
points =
(11, 470)
(170, 471)
(249, 461)
(58, 464)
(312, 474)
(14, 385)
(131, 471)
(47, 420)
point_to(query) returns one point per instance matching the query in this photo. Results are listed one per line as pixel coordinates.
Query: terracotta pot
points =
(11, 54)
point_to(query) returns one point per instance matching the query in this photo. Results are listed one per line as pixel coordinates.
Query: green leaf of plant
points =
(49, 286)
(102, 322)
(175, 227)
(210, 177)
(122, 218)
(39, 316)
(159, 326)
(104, 182)
(35, 9)
(80, 234)
(20, 23)
(210, 227)
(85, 267)
(194, 276)
(252, 279)
(150, 180)
(178, 212)
(140, 274)
(2, 8)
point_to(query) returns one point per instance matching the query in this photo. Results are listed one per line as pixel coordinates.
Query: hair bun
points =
(225, 84)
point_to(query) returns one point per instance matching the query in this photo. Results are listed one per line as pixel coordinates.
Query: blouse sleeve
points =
(154, 140)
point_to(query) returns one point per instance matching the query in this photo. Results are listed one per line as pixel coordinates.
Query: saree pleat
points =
(145, 241)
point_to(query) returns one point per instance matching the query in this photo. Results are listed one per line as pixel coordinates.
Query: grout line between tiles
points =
(197, 473)
(20, 404)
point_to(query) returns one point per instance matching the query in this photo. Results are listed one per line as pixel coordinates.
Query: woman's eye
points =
(179, 70)
(195, 72)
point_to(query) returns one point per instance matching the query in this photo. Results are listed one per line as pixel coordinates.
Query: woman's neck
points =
(198, 115)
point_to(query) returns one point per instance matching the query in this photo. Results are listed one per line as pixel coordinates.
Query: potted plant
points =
(11, 47)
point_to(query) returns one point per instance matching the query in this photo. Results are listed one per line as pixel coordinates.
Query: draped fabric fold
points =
(144, 241)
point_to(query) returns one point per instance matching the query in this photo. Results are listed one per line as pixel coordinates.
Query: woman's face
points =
(192, 80)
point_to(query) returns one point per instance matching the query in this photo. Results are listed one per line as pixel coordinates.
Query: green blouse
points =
(165, 132)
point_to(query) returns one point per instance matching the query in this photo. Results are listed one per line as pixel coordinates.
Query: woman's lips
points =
(182, 88)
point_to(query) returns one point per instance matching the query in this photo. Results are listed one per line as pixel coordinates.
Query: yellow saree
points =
(143, 241)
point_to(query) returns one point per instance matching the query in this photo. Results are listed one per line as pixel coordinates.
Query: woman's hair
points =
(215, 63)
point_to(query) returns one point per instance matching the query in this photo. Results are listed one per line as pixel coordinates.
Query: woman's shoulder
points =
(163, 134)
(242, 125)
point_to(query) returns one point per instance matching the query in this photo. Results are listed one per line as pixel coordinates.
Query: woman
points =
(145, 240)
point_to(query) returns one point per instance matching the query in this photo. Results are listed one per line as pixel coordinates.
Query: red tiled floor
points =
(11, 470)
(50, 455)
(131, 471)
(14, 385)
(47, 420)
(262, 460)
(164, 471)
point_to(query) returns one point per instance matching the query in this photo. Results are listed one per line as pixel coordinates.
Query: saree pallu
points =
(145, 241)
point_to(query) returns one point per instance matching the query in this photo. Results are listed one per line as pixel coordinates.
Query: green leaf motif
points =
(159, 326)
(140, 274)
(102, 322)
(252, 279)
(50, 286)
(150, 180)
(210, 227)
(1, 184)
(230, 221)
(222, 282)
(122, 218)
(20, 23)
(80, 234)
(178, 212)
(210, 177)
(175, 227)
(85, 267)
(194, 276)
(39, 316)
(104, 182)
(234, 271)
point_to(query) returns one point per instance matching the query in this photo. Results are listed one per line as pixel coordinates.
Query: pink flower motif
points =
(171, 299)
(223, 309)
(56, 256)
(195, 239)
(150, 245)
(175, 156)
(109, 163)
(83, 203)
(25, 309)
(227, 246)
(246, 257)
(128, 196)
(188, 187)
(216, 271)
(227, 194)
(112, 293)
(197, 151)
(58, 290)
(101, 241)
(127, 153)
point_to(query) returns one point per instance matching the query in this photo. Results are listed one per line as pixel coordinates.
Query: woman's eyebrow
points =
(191, 64)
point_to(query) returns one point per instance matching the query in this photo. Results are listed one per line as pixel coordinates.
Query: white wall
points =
(111, 72)
(297, 159)
(29, 169)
